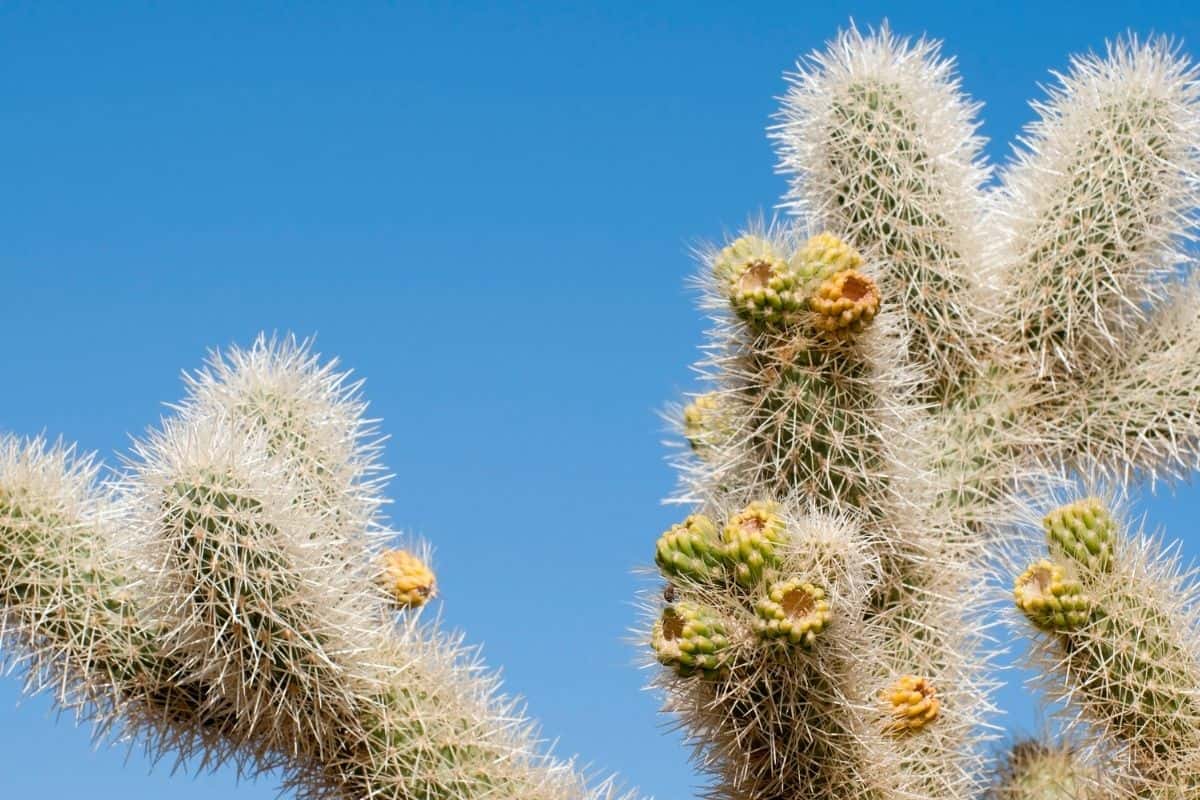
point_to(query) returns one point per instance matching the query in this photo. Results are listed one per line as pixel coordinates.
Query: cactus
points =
(1133, 669)
(1037, 770)
(965, 358)
(228, 597)
(898, 375)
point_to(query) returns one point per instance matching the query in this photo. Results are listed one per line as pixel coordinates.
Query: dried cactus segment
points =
(1050, 599)
(1082, 531)
(750, 539)
(793, 610)
(407, 578)
(845, 302)
(912, 704)
(692, 639)
(691, 549)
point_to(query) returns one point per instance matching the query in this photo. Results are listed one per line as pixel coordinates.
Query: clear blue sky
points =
(485, 209)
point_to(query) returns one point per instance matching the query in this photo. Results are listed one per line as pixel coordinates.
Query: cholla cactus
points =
(1131, 663)
(228, 597)
(1035, 770)
(959, 354)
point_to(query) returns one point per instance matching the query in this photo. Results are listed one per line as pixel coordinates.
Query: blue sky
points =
(485, 209)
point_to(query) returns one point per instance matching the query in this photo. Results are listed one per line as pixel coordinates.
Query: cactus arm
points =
(1095, 211)
(1037, 770)
(1132, 668)
(757, 666)
(880, 146)
(811, 404)
(262, 499)
(1142, 416)
(73, 602)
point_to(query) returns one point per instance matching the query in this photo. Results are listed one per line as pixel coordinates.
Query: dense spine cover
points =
(228, 595)
(961, 358)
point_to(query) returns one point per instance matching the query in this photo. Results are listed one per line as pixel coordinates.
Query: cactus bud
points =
(761, 286)
(749, 541)
(1051, 600)
(407, 579)
(821, 257)
(691, 639)
(912, 704)
(847, 301)
(1082, 531)
(698, 418)
(792, 610)
(690, 549)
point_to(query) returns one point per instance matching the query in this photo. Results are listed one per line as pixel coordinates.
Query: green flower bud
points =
(794, 611)
(691, 639)
(1051, 600)
(1082, 531)
(750, 538)
(761, 286)
(690, 549)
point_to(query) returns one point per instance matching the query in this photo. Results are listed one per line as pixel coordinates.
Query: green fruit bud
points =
(1051, 600)
(761, 286)
(750, 538)
(690, 549)
(691, 639)
(700, 420)
(793, 611)
(821, 257)
(1082, 531)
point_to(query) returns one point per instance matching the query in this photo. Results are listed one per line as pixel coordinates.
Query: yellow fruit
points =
(409, 581)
